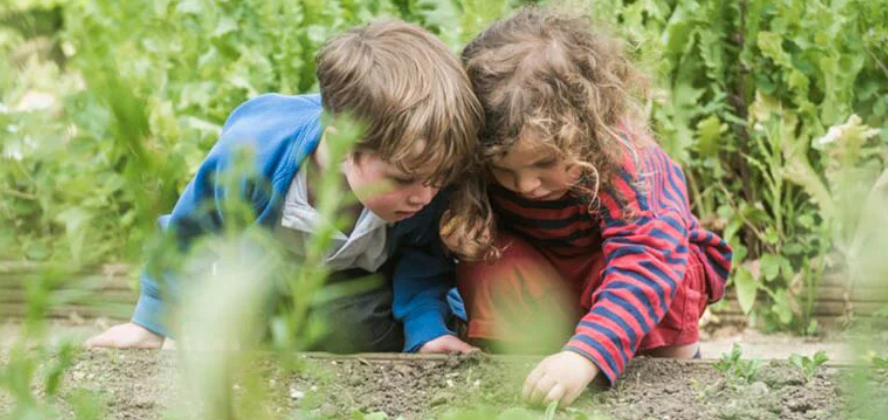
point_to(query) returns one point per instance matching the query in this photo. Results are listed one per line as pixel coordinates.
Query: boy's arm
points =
(261, 132)
(421, 281)
(196, 212)
(149, 324)
(422, 278)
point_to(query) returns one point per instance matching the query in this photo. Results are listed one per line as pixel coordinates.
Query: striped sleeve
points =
(645, 244)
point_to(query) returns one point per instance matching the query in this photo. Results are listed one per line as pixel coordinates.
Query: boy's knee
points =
(361, 323)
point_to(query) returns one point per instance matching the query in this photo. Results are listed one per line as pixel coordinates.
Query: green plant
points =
(809, 365)
(735, 368)
(880, 363)
(33, 378)
(722, 69)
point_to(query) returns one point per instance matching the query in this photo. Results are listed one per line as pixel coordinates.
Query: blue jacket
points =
(282, 131)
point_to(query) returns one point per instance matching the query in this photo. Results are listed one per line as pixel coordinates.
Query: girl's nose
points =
(527, 184)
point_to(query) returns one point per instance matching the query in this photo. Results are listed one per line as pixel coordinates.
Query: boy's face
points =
(534, 171)
(385, 190)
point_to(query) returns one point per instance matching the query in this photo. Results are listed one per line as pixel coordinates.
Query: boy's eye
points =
(548, 163)
(403, 181)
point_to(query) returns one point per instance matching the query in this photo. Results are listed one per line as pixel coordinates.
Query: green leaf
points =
(679, 30)
(782, 306)
(709, 132)
(550, 410)
(516, 413)
(226, 26)
(772, 264)
(747, 287)
(820, 357)
(194, 7)
(379, 415)
(771, 45)
(76, 221)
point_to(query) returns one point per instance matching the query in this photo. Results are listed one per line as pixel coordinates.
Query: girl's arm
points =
(644, 218)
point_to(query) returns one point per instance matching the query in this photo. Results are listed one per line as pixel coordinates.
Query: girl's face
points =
(534, 171)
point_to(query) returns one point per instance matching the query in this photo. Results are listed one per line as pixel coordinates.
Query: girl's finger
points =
(542, 388)
(570, 396)
(555, 394)
(530, 383)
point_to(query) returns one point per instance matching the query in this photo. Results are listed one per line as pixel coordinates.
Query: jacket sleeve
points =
(229, 188)
(422, 278)
(197, 212)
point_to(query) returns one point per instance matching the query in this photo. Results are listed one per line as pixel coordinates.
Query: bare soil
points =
(144, 385)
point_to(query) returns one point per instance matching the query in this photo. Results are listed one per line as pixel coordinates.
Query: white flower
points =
(35, 101)
(835, 132)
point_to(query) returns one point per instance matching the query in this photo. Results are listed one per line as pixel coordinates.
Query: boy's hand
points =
(561, 377)
(126, 336)
(447, 344)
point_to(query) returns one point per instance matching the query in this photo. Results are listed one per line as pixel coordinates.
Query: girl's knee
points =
(680, 351)
(518, 264)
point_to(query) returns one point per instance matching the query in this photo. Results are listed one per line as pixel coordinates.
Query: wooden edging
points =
(405, 357)
(112, 284)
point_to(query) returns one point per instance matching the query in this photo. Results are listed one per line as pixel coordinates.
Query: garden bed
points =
(143, 385)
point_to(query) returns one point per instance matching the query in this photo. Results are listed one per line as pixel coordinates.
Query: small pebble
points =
(759, 388)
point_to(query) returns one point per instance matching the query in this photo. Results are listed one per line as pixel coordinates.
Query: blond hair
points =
(407, 87)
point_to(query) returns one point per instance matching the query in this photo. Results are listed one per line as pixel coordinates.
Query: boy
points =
(422, 121)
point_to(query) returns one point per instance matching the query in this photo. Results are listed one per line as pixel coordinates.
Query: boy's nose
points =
(423, 196)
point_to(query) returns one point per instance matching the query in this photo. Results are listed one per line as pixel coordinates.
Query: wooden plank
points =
(112, 283)
(824, 308)
(69, 295)
(118, 284)
(115, 311)
(29, 267)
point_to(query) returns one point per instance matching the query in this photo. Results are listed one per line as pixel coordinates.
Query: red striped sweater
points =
(643, 224)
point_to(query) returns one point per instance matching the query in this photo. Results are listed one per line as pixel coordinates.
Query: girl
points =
(582, 208)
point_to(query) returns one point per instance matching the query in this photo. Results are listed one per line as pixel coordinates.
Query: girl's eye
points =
(548, 163)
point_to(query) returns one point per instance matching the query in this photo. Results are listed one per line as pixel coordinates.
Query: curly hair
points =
(560, 80)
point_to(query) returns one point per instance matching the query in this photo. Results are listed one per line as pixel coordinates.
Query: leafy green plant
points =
(880, 364)
(809, 365)
(735, 368)
(33, 378)
(720, 67)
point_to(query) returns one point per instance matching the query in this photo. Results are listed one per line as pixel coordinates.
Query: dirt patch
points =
(144, 385)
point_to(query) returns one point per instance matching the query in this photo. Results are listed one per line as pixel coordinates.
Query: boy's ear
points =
(354, 157)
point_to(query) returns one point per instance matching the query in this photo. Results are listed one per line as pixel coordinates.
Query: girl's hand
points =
(561, 377)
(447, 344)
